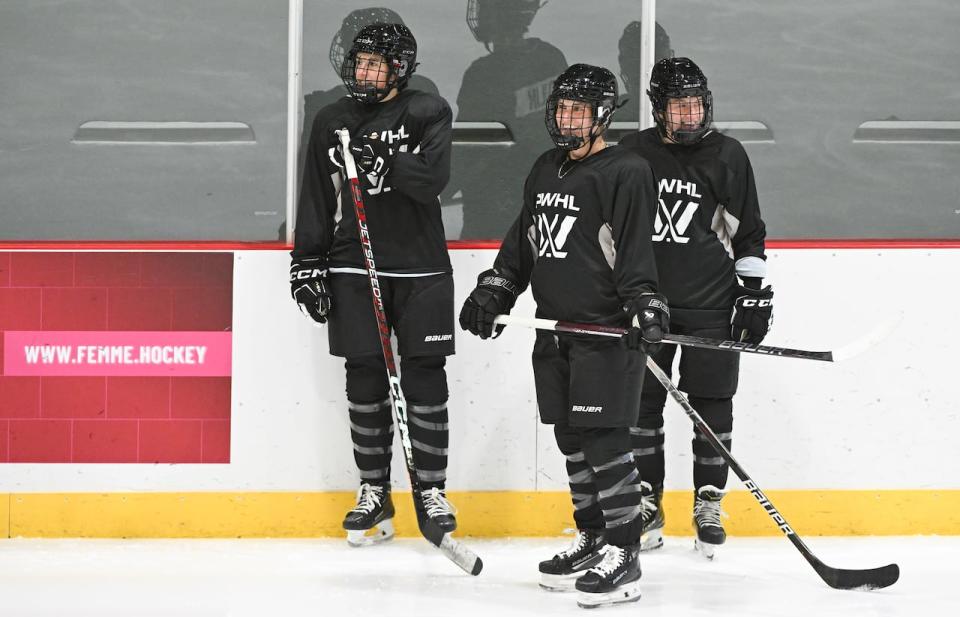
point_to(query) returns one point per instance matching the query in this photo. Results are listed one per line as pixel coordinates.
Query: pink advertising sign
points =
(116, 354)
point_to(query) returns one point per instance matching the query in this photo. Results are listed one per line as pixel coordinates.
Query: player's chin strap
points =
(604, 123)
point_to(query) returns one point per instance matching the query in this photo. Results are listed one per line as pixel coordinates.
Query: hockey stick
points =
(838, 578)
(876, 578)
(456, 551)
(844, 353)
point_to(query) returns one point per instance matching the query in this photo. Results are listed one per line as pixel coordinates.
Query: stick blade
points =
(875, 578)
(452, 549)
(458, 553)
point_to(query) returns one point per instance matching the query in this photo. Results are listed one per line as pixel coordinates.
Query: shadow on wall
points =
(509, 85)
(629, 57)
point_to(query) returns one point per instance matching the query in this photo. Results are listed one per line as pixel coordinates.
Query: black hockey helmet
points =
(396, 44)
(582, 82)
(677, 78)
(351, 26)
(486, 17)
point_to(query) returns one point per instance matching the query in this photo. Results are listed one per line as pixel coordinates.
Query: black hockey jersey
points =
(403, 209)
(582, 239)
(707, 228)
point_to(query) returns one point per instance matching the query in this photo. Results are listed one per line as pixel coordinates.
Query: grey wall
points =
(812, 72)
(63, 63)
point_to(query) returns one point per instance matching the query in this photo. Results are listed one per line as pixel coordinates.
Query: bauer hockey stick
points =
(838, 578)
(455, 550)
(875, 578)
(844, 353)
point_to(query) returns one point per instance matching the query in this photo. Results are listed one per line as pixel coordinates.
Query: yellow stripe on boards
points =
(493, 514)
(5, 514)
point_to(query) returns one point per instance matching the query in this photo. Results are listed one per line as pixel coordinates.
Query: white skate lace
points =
(708, 512)
(648, 504)
(579, 542)
(436, 504)
(369, 498)
(612, 560)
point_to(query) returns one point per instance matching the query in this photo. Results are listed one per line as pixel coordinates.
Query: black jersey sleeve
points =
(318, 197)
(423, 175)
(517, 254)
(631, 229)
(741, 203)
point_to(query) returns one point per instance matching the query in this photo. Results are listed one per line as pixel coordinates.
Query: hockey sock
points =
(646, 440)
(371, 417)
(583, 490)
(609, 454)
(708, 466)
(424, 382)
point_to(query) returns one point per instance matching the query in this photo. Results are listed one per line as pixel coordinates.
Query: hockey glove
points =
(752, 314)
(494, 295)
(372, 155)
(649, 320)
(310, 288)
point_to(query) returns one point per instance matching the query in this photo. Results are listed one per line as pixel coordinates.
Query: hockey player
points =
(582, 242)
(400, 139)
(709, 245)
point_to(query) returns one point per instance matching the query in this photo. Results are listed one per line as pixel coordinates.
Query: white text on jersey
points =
(676, 186)
(556, 200)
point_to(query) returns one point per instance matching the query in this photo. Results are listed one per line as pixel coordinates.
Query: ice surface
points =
(200, 578)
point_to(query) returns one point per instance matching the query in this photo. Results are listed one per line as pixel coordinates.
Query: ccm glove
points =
(649, 318)
(310, 288)
(494, 295)
(372, 155)
(752, 314)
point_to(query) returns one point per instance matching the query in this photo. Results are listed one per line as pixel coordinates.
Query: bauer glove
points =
(372, 155)
(649, 318)
(494, 295)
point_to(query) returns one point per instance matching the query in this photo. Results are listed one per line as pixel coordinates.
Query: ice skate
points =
(706, 520)
(371, 520)
(561, 572)
(434, 504)
(615, 580)
(653, 518)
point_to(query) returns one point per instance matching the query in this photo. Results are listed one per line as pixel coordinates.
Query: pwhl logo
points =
(553, 228)
(672, 221)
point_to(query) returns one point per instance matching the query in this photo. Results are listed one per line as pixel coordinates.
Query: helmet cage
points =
(603, 102)
(397, 48)
(679, 78)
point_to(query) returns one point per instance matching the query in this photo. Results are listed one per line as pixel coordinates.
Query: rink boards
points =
(862, 447)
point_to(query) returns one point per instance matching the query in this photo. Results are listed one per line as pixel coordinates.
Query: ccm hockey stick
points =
(876, 578)
(456, 551)
(843, 353)
(838, 578)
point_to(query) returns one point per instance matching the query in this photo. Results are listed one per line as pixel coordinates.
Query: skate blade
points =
(626, 593)
(651, 540)
(381, 532)
(560, 582)
(706, 549)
